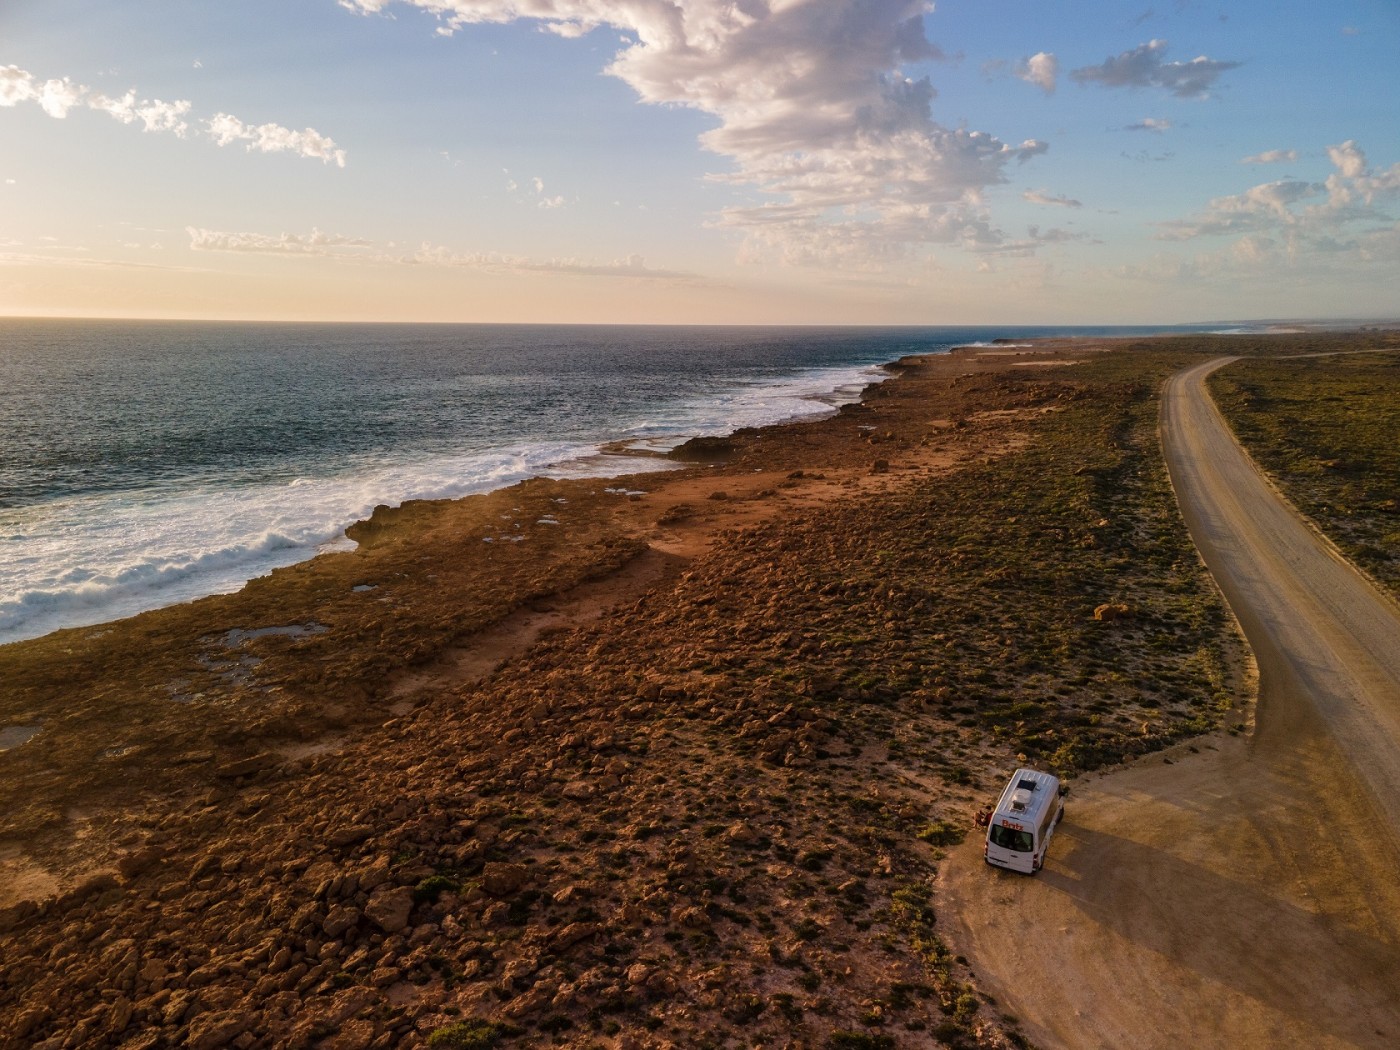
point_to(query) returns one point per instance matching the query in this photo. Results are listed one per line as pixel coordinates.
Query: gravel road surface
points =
(1243, 891)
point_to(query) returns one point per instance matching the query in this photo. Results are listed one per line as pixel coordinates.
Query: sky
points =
(701, 161)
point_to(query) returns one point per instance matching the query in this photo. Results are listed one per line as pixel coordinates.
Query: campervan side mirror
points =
(1064, 790)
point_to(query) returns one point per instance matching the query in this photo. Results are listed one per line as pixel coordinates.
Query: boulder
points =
(119, 1016)
(29, 1019)
(339, 920)
(1112, 611)
(243, 767)
(692, 918)
(571, 894)
(375, 874)
(132, 864)
(351, 835)
(703, 450)
(389, 908)
(358, 1034)
(214, 1031)
(500, 879)
(572, 934)
(741, 833)
(662, 983)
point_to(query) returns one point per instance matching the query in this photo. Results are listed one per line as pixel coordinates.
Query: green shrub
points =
(434, 886)
(861, 1041)
(942, 833)
(472, 1034)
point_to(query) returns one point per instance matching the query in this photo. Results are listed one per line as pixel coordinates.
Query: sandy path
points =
(1244, 894)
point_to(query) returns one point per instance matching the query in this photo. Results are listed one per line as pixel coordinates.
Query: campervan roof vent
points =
(1027, 785)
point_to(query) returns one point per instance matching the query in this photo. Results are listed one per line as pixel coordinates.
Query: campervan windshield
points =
(1008, 838)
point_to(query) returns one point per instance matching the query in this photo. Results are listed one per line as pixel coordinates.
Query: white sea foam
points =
(1258, 329)
(87, 560)
(816, 392)
(91, 559)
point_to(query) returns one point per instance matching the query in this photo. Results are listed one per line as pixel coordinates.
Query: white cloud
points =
(1283, 259)
(1348, 158)
(813, 110)
(1054, 235)
(1041, 197)
(153, 114)
(1144, 66)
(1341, 217)
(1272, 156)
(1259, 207)
(1354, 181)
(546, 203)
(274, 138)
(54, 97)
(1041, 70)
(58, 97)
(317, 244)
(536, 185)
(633, 266)
(16, 86)
(1144, 157)
(68, 260)
(1157, 124)
(313, 243)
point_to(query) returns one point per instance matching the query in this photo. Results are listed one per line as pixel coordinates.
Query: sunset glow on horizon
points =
(700, 161)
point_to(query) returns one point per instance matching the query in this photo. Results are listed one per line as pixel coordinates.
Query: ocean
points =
(150, 463)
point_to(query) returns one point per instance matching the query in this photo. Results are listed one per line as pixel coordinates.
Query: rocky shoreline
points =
(669, 761)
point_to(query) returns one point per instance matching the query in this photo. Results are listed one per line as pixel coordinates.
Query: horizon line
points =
(1274, 321)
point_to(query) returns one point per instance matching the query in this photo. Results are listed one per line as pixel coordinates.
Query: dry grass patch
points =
(1326, 429)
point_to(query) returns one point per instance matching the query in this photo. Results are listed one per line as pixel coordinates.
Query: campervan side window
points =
(1046, 819)
(1017, 841)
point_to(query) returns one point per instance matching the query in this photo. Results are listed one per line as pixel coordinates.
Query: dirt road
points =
(1243, 892)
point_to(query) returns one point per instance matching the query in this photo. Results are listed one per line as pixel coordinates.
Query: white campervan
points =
(1027, 814)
